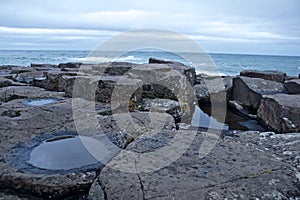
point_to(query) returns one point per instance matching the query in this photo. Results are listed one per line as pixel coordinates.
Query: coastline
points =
(269, 98)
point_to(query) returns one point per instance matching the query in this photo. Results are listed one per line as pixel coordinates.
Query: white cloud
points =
(209, 22)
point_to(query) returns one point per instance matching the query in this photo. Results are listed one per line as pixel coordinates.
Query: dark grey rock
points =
(292, 86)
(25, 92)
(4, 82)
(28, 77)
(248, 91)
(18, 70)
(267, 75)
(220, 90)
(280, 112)
(228, 171)
(69, 65)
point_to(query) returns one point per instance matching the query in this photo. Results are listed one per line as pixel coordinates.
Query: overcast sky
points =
(231, 26)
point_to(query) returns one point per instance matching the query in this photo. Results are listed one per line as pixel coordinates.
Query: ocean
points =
(225, 64)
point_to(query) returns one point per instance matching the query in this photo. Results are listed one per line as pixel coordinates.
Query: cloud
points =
(208, 22)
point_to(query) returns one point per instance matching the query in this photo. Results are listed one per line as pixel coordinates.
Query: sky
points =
(220, 26)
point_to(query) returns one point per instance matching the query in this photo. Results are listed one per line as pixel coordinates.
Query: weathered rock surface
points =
(280, 112)
(4, 82)
(163, 106)
(267, 75)
(214, 89)
(292, 86)
(248, 91)
(187, 71)
(25, 92)
(231, 170)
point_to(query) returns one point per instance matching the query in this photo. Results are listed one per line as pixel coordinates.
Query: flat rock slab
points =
(38, 122)
(267, 75)
(248, 91)
(292, 86)
(26, 92)
(230, 170)
(280, 112)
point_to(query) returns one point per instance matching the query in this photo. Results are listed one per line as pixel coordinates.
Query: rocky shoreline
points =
(37, 105)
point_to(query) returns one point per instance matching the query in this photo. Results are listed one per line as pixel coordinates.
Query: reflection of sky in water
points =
(202, 119)
(39, 102)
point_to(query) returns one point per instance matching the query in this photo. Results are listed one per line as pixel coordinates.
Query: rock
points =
(280, 112)
(220, 90)
(53, 80)
(118, 68)
(248, 91)
(230, 170)
(44, 67)
(161, 81)
(4, 82)
(267, 75)
(11, 113)
(292, 86)
(287, 78)
(69, 65)
(124, 128)
(18, 70)
(163, 106)
(28, 77)
(189, 72)
(25, 92)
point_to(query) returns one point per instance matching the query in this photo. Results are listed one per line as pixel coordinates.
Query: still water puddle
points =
(39, 102)
(67, 152)
(63, 153)
(202, 118)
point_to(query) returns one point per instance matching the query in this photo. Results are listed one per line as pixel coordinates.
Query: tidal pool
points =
(39, 102)
(63, 153)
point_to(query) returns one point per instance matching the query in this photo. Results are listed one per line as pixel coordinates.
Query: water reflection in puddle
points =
(62, 153)
(202, 118)
(39, 102)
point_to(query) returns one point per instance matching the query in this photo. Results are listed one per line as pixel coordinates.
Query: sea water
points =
(226, 64)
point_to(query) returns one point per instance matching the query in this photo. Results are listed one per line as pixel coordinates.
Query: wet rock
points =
(227, 171)
(248, 91)
(188, 72)
(292, 86)
(267, 75)
(280, 112)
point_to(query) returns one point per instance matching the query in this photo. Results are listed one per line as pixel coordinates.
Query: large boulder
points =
(189, 72)
(248, 91)
(267, 75)
(292, 86)
(280, 112)
(216, 89)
